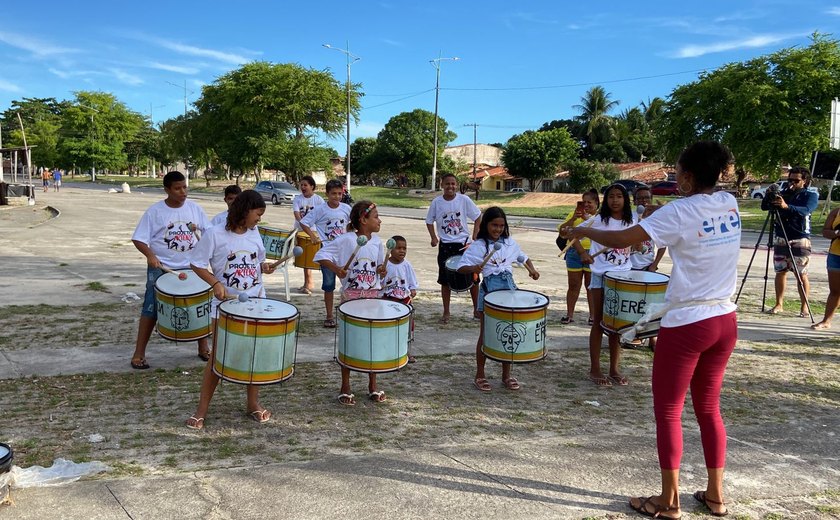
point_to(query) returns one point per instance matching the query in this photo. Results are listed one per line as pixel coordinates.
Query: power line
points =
(398, 100)
(585, 84)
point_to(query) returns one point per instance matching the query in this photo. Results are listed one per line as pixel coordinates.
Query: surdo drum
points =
(456, 281)
(255, 341)
(306, 259)
(627, 294)
(183, 306)
(514, 326)
(273, 241)
(372, 335)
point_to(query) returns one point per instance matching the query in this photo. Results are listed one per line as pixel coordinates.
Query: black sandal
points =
(657, 509)
(565, 320)
(700, 496)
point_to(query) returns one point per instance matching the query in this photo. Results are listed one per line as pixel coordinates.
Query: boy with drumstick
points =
(330, 221)
(400, 282)
(301, 206)
(166, 235)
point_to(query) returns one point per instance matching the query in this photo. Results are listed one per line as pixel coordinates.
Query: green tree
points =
(405, 144)
(365, 162)
(769, 111)
(594, 114)
(587, 175)
(538, 155)
(41, 119)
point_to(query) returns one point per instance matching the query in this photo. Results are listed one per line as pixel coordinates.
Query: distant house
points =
(481, 154)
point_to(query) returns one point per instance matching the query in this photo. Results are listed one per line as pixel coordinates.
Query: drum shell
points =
(7, 456)
(273, 241)
(306, 259)
(373, 345)
(515, 333)
(182, 316)
(254, 351)
(456, 281)
(626, 297)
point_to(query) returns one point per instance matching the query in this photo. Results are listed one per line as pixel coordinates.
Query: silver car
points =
(277, 192)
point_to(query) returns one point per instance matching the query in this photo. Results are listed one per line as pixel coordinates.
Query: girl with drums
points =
(699, 328)
(357, 259)
(578, 272)
(231, 258)
(492, 255)
(614, 214)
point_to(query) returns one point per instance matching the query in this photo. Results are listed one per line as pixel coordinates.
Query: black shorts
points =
(446, 250)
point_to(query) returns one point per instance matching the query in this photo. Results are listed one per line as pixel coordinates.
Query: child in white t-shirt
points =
(231, 192)
(301, 206)
(400, 282)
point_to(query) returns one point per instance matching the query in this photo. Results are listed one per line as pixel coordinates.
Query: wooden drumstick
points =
(297, 251)
(573, 241)
(389, 246)
(181, 275)
(601, 251)
(362, 240)
(196, 231)
(496, 246)
(521, 259)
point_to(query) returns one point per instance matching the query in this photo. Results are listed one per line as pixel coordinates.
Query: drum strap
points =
(655, 311)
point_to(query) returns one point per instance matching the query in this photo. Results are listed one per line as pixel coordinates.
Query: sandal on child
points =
(600, 380)
(260, 416)
(483, 384)
(642, 508)
(511, 383)
(619, 380)
(195, 423)
(565, 320)
(139, 364)
(700, 496)
(377, 397)
(329, 323)
(347, 399)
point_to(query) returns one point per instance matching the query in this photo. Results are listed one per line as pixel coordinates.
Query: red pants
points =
(692, 355)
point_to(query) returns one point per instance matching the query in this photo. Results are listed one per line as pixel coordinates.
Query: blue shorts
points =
(328, 283)
(574, 263)
(597, 281)
(833, 262)
(150, 299)
(492, 283)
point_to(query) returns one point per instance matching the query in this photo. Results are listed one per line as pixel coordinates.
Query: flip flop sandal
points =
(657, 509)
(483, 384)
(195, 423)
(347, 399)
(565, 320)
(700, 496)
(260, 416)
(377, 397)
(329, 324)
(139, 364)
(619, 380)
(601, 381)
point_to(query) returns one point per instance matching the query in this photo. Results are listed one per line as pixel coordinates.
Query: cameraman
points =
(793, 208)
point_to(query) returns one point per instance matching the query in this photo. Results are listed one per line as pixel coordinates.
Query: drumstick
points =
(496, 246)
(231, 293)
(389, 245)
(181, 275)
(297, 251)
(521, 259)
(601, 251)
(573, 241)
(196, 231)
(362, 240)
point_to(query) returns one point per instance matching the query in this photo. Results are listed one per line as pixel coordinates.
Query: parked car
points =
(630, 184)
(758, 191)
(277, 192)
(517, 190)
(665, 188)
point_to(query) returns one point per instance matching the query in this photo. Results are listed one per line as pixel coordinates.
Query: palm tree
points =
(594, 107)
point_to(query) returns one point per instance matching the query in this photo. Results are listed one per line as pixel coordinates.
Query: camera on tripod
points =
(773, 191)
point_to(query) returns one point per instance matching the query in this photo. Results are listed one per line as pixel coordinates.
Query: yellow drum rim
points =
(264, 328)
(256, 377)
(515, 357)
(514, 315)
(371, 366)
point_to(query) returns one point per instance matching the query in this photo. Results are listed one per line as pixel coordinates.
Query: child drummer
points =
(301, 206)
(360, 269)
(400, 282)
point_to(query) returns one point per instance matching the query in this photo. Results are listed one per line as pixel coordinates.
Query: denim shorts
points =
(574, 263)
(833, 262)
(596, 281)
(150, 299)
(328, 283)
(492, 283)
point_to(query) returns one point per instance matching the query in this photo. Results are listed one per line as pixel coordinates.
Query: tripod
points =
(772, 217)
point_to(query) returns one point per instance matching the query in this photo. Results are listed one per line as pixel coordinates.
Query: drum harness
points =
(658, 310)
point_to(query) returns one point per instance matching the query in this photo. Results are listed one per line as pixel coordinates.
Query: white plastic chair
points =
(286, 250)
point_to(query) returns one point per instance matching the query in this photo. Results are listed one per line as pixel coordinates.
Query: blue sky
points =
(520, 63)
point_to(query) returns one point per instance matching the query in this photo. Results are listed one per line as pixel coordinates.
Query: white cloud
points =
(67, 74)
(125, 77)
(694, 51)
(191, 50)
(834, 11)
(35, 46)
(173, 68)
(9, 87)
(393, 43)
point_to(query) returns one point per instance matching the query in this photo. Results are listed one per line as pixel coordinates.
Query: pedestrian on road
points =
(579, 273)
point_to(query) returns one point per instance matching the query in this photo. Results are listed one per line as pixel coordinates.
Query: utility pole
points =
(436, 64)
(355, 58)
(187, 176)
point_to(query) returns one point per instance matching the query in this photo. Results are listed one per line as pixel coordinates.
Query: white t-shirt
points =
(304, 205)
(329, 222)
(452, 217)
(703, 236)
(167, 232)
(234, 259)
(220, 219)
(501, 261)
(399, 281)
(611, 259)
(361, 274)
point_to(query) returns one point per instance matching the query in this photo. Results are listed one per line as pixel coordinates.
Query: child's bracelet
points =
(214, 284)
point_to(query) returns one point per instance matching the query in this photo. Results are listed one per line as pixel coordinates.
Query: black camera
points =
(772, 191)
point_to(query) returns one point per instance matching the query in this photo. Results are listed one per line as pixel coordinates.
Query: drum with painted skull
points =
(515, 326)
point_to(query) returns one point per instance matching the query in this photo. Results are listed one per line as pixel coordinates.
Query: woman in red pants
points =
(702, 232)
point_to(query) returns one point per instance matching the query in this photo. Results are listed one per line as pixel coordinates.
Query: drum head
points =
(516, 299)
(170, 284)
(258, 309)
(637, 276)
(452, 262)
(370, 309)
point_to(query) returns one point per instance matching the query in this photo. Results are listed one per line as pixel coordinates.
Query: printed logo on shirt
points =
(179, 236)
(335, 228)
(617, 257)
(396, 288)
(452, 225)
(720, 229)
(241, 270)
(362, 273)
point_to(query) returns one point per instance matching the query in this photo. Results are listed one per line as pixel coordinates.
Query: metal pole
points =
(437, 95)
(93, 138)
(475, 149)
(348, 116)
(1, 154)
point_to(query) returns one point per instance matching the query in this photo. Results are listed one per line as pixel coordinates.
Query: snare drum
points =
(515, 326)
(183, 306)
(305, 260)
(456, 281)
(626, 297)
(256, 341)
(273, 239)
(372, 335)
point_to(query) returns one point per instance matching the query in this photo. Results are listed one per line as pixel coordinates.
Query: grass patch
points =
(96, 286)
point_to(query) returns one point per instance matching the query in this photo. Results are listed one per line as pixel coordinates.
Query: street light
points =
(93, 137)
(349, 62)
(151, 171)
(187, 176)
(436, 64)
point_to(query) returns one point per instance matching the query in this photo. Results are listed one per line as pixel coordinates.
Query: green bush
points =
(585, 175)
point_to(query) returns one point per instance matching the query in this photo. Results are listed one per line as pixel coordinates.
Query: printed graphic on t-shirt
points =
(335, 228)
(179, 236)
(396, 287)
(452, 225)
(720, 229)
(304, 210)
(362, 273)
(617, 257)
(241, 270)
